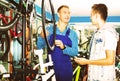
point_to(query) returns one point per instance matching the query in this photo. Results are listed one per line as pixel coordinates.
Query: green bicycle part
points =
(77, 71)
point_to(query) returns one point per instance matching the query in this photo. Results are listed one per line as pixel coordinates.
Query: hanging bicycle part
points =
(4, 45)
(7, 7)
(52, 21)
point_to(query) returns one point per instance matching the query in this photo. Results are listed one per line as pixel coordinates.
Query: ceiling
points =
(83, 7)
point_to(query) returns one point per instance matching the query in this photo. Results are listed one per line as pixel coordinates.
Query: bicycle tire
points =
(7, 26)
(5, 41)
(50, 47)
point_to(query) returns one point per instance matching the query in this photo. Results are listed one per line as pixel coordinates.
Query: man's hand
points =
(59, 43)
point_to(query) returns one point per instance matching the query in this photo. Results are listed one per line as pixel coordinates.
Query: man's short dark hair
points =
(62, 7)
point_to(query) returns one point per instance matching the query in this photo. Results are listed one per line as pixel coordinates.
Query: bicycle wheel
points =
(45, 22)
(8, 14)
(4, 45)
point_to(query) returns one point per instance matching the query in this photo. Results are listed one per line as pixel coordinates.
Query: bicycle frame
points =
(44, 75)
(7, 5)
(12, 32)
(77, 71)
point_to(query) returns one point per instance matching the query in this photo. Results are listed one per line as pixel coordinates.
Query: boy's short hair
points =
(101, 9)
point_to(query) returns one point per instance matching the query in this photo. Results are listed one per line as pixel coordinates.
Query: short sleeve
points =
(110, 41)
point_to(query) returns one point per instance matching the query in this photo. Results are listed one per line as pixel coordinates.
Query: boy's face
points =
(94, 18)
(64, 14)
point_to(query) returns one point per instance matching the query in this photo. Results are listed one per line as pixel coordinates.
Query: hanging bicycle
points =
(18, 10)
(9, 6)
(81, 70)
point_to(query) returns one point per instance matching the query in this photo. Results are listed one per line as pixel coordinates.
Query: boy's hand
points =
(81, 61)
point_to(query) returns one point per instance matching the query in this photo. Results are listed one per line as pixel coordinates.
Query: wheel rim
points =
(44, 20)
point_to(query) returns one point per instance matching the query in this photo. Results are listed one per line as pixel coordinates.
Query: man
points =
(103, 47)
(66, 45)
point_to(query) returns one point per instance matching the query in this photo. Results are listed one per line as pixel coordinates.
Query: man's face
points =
(64, 15)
